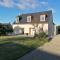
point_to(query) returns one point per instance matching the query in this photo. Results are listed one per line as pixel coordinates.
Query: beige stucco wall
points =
(45, 27)
(27, 26)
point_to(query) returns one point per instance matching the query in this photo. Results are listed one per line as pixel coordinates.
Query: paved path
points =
(50, 51)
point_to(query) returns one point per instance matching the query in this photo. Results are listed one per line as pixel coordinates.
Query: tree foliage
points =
(5, 29)
(58, 29)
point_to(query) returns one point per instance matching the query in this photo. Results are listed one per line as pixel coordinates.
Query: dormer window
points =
(17, 19)
(42, 17)
(28, 18)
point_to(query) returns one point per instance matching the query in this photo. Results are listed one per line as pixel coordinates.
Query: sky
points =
(9, 9)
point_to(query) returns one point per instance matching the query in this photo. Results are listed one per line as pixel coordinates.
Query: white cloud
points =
(6, 3)
(28, 3)
(21, 4)
(25, 4)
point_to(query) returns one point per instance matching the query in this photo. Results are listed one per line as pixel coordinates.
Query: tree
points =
(5, 29)
(58, 29)
(2, 29)
(9, 28)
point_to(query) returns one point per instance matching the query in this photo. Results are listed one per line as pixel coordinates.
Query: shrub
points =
(41, 35)
(5, 29)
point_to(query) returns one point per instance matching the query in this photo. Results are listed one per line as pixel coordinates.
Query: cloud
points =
(21, 4)
(6, 3)
(25, 4)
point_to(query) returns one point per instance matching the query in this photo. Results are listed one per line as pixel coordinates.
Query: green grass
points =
(14, 47)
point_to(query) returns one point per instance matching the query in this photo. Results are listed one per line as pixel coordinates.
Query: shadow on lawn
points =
(13, 51)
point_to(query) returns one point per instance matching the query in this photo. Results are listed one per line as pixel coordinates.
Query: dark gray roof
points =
(35, 17)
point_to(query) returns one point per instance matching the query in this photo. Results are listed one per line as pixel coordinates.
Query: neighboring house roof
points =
(35, 17)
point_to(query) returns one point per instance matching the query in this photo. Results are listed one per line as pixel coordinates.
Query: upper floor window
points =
(17, 19)
(28, 18)
(42, 17)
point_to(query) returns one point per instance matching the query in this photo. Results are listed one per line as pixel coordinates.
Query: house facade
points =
(31, 23)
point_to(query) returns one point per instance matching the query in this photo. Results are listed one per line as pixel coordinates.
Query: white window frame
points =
(28, 18)
(17, 20)
(42, 17)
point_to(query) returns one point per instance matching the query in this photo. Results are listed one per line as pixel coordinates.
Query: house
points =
(31, 23)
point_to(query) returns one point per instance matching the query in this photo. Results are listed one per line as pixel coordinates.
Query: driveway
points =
(50, 51)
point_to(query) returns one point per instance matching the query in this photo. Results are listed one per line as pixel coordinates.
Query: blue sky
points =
(9, 9)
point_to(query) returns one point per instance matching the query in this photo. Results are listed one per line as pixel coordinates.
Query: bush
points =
(41, 35)
(5, 29)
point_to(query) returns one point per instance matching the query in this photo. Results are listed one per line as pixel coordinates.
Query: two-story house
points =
(32, 23)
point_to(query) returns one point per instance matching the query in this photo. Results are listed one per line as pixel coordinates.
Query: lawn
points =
(14, 47)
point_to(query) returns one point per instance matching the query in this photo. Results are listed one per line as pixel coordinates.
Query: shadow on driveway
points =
(40, 55)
